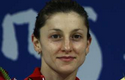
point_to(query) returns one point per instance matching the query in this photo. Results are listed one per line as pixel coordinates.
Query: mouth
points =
(66, 58)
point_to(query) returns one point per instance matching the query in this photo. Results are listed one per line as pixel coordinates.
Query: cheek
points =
(79, 47)
(53, 47)
(80, 50)
(49, 51)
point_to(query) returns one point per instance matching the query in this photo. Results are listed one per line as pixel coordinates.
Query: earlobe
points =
(36, 44)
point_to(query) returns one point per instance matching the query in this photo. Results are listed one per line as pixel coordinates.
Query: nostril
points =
(63, 50)
(66, 51)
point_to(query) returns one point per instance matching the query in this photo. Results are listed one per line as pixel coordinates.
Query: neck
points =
(51, 74)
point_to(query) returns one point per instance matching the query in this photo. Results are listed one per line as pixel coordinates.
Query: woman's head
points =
(61, 35)
(56, 6)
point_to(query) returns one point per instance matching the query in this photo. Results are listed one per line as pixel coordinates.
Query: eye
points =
(76, 37)
(56, 37)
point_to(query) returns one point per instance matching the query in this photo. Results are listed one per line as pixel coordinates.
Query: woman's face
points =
(63, 42)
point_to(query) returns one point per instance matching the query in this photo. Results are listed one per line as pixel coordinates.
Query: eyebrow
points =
(77, 30)
(62, 31)
(56, 30)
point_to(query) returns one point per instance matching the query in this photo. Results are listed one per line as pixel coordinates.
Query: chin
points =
(67, 70)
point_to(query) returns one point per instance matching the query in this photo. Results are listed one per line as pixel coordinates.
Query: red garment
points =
(36, 75)
(1, 76)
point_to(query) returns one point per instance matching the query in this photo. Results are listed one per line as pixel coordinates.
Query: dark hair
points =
(55, 6)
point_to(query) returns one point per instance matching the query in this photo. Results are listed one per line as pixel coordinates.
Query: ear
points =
(36, 44)
(88, 45)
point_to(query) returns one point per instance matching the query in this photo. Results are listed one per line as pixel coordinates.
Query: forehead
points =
(65, 21)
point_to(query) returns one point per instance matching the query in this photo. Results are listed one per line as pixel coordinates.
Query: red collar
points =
(36, 75)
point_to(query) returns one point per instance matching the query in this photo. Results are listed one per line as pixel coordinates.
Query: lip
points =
(66, 58)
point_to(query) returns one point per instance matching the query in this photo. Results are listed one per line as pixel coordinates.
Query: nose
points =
(67, 46)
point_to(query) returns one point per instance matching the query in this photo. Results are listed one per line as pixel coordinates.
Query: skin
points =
(63, 35)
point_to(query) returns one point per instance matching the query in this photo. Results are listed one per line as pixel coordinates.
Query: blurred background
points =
(106, 60)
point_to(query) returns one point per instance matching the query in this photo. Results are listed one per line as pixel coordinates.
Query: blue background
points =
(109, 29)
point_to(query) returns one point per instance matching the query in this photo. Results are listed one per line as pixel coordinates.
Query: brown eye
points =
(76, 37)
(56, 37)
